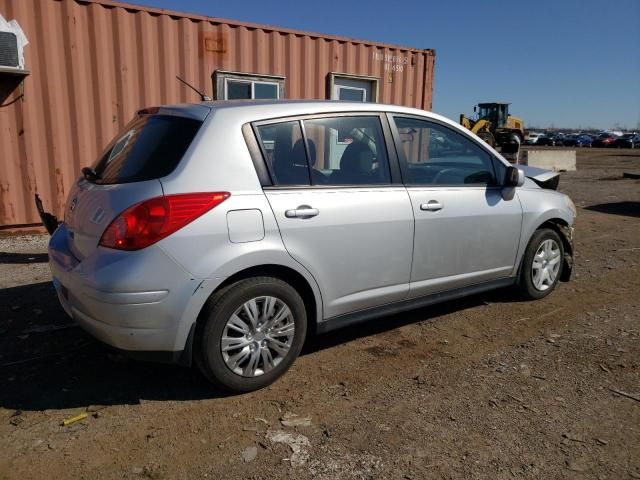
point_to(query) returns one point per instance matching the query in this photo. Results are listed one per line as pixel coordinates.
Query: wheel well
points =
(564, 232)
(285, 274)
(557, 224)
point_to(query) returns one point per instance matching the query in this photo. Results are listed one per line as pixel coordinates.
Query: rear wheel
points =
(541, 265)
(250, 333)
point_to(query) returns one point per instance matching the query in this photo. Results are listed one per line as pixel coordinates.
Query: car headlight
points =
(570, 205)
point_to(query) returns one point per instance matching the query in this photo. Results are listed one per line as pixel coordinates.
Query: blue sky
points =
(563, 63)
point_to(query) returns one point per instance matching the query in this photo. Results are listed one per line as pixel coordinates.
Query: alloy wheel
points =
(546, 265)
(257, 336)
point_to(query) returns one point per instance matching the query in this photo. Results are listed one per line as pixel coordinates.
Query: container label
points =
(392, 63)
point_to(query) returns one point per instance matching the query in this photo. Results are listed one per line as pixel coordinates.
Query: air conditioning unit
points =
(12, 43)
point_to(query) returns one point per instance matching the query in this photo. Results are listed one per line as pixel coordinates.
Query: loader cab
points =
(497, 113)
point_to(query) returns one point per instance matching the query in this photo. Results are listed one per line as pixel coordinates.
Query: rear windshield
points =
(149, 147)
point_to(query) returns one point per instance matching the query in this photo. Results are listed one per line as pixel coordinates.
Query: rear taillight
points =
(150, 221)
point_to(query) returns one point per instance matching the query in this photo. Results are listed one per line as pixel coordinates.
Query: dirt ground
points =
(485, 387)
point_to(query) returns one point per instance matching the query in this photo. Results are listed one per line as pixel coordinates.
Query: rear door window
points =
(149, 147)
(345, 150)
(284, 152)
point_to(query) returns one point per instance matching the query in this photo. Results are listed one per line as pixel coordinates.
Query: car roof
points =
(246, 111)
(301, 107)
(256, 110)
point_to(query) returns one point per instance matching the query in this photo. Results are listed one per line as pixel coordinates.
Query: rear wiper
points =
(90, 174)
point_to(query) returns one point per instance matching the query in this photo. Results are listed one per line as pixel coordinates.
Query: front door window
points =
(437, 155)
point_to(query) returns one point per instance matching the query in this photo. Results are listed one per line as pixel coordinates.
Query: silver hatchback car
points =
(226, 232)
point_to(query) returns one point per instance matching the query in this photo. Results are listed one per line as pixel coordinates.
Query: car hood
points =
(543, 178)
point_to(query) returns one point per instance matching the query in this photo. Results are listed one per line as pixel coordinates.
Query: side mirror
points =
(514, 177)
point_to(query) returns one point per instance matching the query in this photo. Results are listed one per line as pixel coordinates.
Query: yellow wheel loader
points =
(495, 126)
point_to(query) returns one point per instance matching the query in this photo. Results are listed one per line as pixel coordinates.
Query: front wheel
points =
(250, 333)
(541, 265)
(488, 138)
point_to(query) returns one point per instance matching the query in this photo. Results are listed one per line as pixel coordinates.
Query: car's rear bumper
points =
(101, 318)
(134, 301)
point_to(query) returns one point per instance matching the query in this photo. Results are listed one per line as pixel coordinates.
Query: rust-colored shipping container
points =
(92, 64)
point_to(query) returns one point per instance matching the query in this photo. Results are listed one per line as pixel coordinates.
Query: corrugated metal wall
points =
(94, 63)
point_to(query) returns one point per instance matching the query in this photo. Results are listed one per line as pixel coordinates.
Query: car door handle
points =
(303, 211)
(432, 206)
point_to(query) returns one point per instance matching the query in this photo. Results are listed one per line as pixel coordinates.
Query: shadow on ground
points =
(46, 362)
(629, 209)
(11, 257)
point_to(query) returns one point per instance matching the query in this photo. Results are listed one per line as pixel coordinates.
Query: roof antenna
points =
(203, 97)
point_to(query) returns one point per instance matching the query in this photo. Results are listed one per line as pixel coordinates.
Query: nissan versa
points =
(225, 232)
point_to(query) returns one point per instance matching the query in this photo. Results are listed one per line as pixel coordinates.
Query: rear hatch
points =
(150, 147)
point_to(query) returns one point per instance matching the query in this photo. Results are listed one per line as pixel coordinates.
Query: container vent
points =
(9, 50)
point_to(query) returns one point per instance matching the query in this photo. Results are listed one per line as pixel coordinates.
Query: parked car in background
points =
(628, 140)
(559, 139)
(225, 231)
(532, 138)
(549, 140)
(584, 140)
(604, 140)
(545, 141)
(577, 140)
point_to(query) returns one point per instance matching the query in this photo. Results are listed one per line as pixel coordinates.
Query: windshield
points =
(485, 112)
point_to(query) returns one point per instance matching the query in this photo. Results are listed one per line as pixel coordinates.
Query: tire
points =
(512, 144)
(531, 282)
(488, 138)
(252, 346)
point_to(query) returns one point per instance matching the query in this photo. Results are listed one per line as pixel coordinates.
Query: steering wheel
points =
(444, 172)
